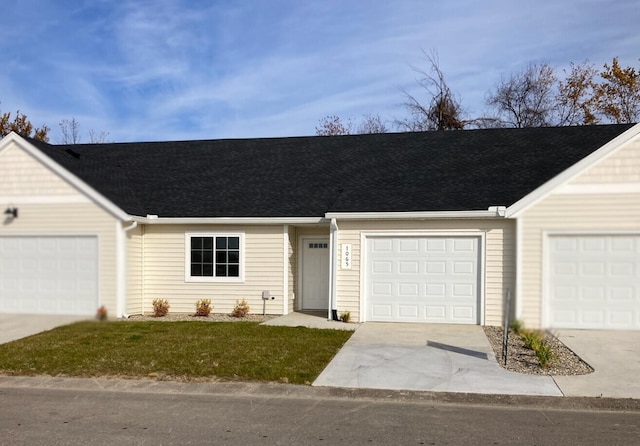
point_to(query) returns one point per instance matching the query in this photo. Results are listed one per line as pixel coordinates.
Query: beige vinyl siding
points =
(164, 269)
(499, 258)
(580, 213)
(134, 273)
(622, 166)
(22, 175)
(49, 205)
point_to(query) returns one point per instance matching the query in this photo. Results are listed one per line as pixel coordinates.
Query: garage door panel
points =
(408, 246)
(408, 311)
(436, 245)
(436, 267)
(380, 245)
(594, 281)
(463, 313)
(463, 268)
(463, 245)
(436, 289)
(622, 294)
(49, 275)
(435, 313)
(382, 267)
(412, 267)
(422, 279)
(380, 311)
(408, 290)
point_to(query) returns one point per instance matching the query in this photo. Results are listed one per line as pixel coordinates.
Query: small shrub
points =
(345, 316)
(535, 341)
(101, 313)
(544, 353)
(241, 309)
(160, 307)
(517, 326)
(203, 307)
(530, 339)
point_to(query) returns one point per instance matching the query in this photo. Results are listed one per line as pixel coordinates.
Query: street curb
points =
(278, 390)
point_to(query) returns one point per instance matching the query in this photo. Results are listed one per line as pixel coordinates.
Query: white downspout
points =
(121, 242)
(517, 295)
(285, 269)
(333, 270)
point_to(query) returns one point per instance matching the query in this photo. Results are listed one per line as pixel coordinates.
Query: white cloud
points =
(167, 69)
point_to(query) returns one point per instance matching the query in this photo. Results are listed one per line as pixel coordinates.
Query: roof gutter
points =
(156, 220)
(491, 212)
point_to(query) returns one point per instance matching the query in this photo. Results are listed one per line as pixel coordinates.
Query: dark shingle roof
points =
(309, 176)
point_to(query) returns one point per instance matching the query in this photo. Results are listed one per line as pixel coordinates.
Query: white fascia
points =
(156, 220)
(65, 174)
(565, 177)
(492, 212)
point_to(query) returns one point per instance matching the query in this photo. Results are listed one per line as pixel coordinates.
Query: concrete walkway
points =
(315, 319)
(427, 357)
(17, 326)
(615, 357)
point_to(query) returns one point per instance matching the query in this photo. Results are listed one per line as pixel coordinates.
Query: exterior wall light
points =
(11, 212)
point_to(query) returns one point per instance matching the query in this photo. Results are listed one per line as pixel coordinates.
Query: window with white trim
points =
(213, 257)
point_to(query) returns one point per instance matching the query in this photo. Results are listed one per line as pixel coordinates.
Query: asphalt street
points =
(70, 416)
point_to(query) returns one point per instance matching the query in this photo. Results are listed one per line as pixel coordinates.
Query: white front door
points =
(315, 273)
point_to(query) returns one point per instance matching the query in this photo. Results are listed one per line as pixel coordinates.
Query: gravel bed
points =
(523, 360)
(173, 317)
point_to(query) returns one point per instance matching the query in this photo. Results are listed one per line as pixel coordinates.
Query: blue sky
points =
(193, 69)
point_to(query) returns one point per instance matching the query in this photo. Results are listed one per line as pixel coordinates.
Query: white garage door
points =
(422, 279)
(49, 275)
(594, 281)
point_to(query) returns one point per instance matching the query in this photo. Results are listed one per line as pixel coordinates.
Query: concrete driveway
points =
(432, 357)
(17, 326)
(615, 357)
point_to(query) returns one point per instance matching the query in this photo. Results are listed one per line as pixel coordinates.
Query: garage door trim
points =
(480, 235)
(546, 262)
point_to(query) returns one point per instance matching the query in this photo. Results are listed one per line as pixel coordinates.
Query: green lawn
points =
(175, 351)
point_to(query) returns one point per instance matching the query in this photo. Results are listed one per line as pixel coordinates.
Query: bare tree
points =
(331, 125)
(22, 126)
(70, 129)
(71, 133)
(525, 98)
(372, 124)
(98, 138)
(442, 110)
